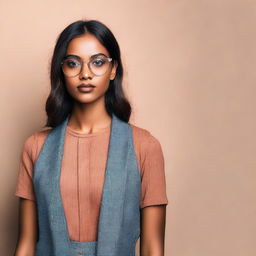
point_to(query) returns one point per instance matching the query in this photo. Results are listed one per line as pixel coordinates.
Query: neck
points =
(89, 118)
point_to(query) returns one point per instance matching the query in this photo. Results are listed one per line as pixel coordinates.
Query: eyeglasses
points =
(72, 66)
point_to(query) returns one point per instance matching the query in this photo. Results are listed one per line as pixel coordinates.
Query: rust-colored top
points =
(82, 175)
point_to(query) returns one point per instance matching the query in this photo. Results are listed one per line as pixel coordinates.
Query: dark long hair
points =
(59, 103)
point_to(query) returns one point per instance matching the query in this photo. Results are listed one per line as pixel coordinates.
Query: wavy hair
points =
(59, 103)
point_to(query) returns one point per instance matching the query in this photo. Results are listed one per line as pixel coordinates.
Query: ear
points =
(113, 71)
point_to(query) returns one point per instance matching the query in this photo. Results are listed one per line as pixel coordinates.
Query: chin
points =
(87, 98)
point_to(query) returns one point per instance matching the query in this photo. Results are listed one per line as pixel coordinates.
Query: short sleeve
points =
(24, 185)
(153, 181)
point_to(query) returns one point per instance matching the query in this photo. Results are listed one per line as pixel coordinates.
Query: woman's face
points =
(85, 46)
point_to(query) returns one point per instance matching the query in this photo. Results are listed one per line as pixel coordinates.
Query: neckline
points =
(81, 134)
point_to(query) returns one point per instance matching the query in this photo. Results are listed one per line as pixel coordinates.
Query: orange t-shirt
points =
(82, 175)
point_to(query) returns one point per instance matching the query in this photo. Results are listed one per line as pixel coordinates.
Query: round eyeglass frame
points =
(87, 62)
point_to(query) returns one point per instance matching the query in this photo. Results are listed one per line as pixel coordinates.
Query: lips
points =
(85, 88)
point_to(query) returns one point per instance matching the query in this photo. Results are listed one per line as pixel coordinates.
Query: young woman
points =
(92, 183)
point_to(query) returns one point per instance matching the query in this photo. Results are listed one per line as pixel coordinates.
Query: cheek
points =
(102, 82)
(70, 85)
(70, 82)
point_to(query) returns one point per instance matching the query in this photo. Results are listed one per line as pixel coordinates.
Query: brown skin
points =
(152, 236)
(28, 229)
(88, 116)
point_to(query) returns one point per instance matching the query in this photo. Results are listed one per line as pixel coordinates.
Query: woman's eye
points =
(98, 62)
(72, 64)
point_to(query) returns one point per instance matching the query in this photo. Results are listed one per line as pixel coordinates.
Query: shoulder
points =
(144, 136)
(146, 144)
(34, 142)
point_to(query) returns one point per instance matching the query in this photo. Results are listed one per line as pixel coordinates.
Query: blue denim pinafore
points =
(119, 220)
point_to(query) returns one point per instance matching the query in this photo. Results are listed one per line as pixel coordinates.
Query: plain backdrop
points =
(190, 76)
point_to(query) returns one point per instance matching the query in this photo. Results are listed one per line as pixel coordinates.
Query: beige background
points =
(190, 76)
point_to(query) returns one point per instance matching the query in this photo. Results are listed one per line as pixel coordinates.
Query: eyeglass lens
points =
(98, 66)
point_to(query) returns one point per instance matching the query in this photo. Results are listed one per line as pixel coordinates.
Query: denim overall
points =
(119, 220)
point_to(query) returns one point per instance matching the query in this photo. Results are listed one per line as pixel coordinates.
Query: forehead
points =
(85, 46)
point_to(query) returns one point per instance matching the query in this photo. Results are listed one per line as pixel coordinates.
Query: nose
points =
(85, 72)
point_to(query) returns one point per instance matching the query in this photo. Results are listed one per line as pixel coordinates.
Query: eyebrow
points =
(78, 57)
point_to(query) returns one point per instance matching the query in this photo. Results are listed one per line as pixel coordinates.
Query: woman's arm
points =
(28, 229)
(152, 230)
